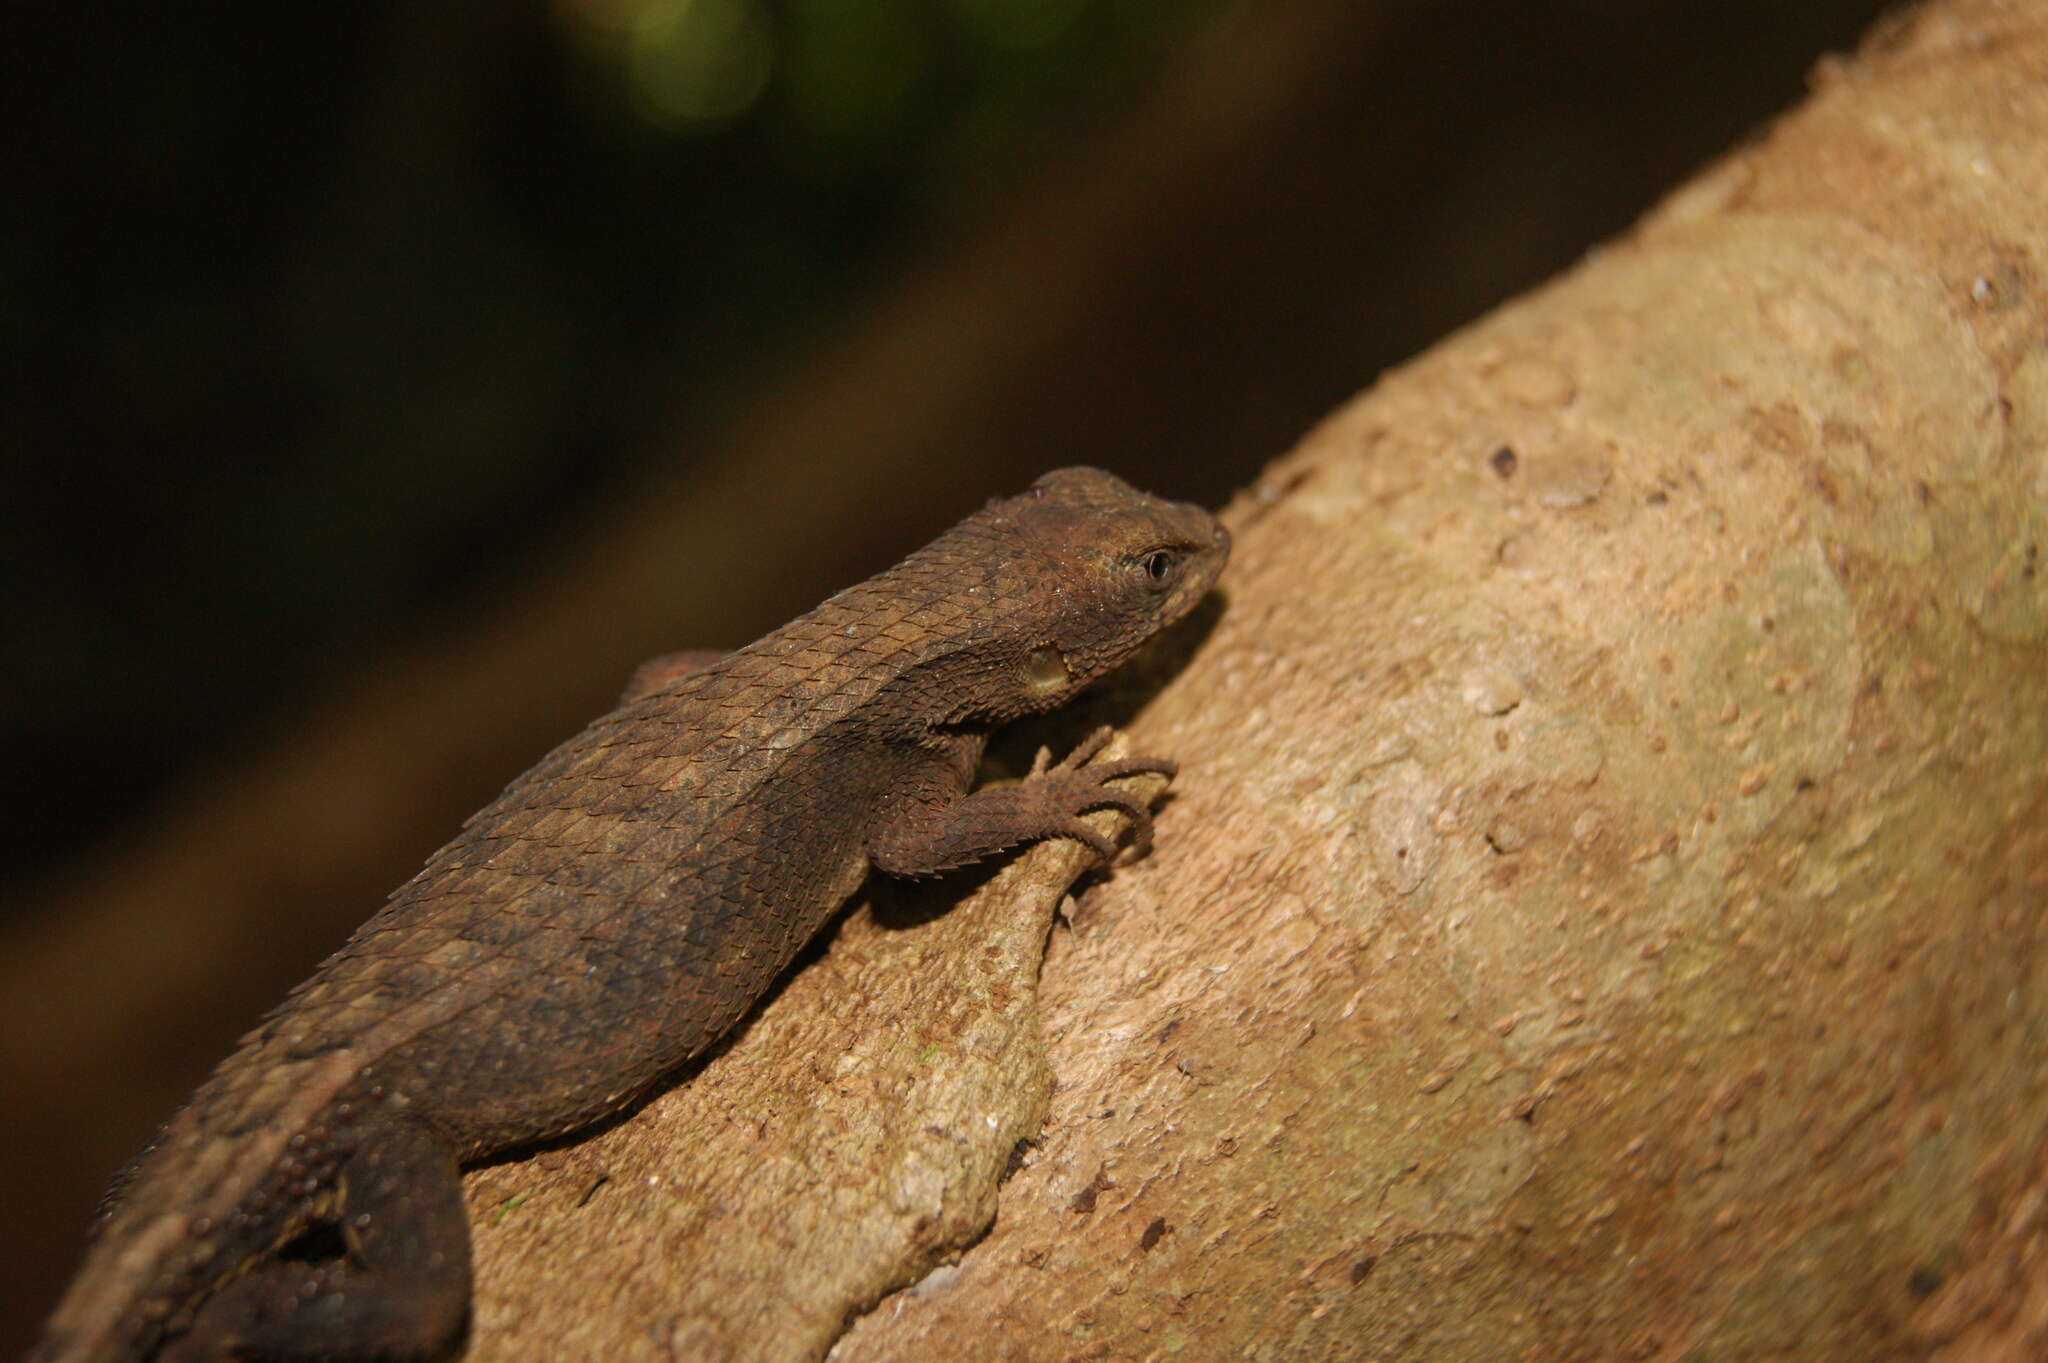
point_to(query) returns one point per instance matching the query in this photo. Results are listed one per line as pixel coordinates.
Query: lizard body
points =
(611, 915)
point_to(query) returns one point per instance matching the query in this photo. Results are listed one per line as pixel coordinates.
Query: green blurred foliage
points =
(319, 319)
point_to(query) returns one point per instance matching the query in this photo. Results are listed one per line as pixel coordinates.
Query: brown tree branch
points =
(1603, 912)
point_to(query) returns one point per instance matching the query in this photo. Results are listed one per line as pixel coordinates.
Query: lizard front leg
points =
(931, 823)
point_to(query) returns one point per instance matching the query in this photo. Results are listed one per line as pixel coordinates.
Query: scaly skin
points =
(611, 915)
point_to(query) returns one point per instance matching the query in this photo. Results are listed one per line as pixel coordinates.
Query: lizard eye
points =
(1159, 569)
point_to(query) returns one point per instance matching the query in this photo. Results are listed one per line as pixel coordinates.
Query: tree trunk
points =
(1602, 912)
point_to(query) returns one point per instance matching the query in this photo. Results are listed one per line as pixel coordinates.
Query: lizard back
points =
(605, 918)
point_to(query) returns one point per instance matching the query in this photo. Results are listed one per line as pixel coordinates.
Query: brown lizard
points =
(611, 915)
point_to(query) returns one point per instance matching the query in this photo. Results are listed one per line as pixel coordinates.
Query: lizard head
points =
(1090, 569)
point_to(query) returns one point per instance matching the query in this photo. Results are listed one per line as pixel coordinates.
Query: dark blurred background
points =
(385, 379)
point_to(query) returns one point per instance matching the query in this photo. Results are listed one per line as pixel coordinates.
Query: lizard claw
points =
(1087, 789)
(1104, 849)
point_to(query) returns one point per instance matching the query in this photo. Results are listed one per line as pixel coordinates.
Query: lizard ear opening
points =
(1045, 670)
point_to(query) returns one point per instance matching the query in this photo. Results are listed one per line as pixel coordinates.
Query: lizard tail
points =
(352, 1245)
(150, 1263)
(194, 1209)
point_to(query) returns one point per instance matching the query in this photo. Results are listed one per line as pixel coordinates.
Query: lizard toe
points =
(1104, 849)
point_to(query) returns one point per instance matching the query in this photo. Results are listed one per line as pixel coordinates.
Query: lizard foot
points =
(1078, 784)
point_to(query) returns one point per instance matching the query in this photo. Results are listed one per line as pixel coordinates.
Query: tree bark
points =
(1602, 912)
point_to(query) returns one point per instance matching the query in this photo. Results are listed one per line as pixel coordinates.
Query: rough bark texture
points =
(855, 1133)
(1602, 911)
(1053, 320)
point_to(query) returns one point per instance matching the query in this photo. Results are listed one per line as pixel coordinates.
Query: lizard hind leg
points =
(386, 1279)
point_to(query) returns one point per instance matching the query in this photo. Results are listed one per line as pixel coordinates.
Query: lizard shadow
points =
(899, 904)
